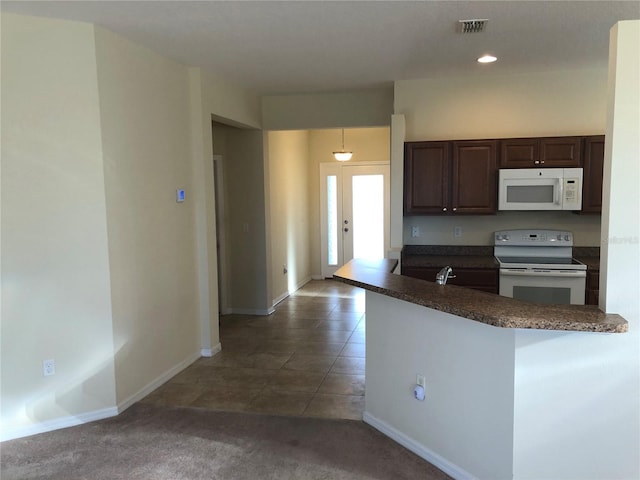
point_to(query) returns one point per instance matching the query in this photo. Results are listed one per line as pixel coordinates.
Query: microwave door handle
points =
(558, 191)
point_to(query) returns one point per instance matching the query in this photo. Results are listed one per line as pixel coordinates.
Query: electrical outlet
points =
(415, 231)
(420, 380)
(48, 367)
(457, 231)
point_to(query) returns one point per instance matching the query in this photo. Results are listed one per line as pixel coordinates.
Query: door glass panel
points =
(368, 216)
(530, 193)
(546, 295)
(332, 220)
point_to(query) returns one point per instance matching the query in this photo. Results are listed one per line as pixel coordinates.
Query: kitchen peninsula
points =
(502, 376)
(482, 307)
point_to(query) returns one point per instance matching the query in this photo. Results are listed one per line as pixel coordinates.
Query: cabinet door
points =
(484, 279)
(560, 152)
(423, 273)
(519, 153)
(593, 287)
(592, 175)
(426, 177)
(473, 179)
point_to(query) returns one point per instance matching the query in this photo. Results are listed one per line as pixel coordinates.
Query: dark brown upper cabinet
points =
(426, 177)
(473, 181)
(592, 174)
(444, 178)
(547, 152)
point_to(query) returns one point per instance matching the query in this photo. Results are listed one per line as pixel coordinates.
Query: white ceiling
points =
(279, 47)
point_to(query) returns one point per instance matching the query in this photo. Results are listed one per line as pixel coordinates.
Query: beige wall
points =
(367, 144)
(97, 135)
(288, 179)
(478, 229)
(367, 108)
(204, 214)
(621, 197)
(144, 101)
(55, 273)
(229, 103)
(246, 227)
(603, 369)
(571, 102)
(465, 424)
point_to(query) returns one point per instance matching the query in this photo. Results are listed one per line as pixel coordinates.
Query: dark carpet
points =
(151, 442)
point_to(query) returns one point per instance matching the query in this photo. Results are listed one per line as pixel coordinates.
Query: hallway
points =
(306, 359)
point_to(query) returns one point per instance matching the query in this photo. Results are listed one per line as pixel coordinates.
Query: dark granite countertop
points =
(590, 256)
(592, 263)
(479, 306)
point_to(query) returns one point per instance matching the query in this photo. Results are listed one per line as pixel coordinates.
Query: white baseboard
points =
(56, 424)
(301, 284)
(279, 298)
(162, 379)
(429, 455)
(225, 311)
(251, 311)
(74, 420)
(210, 352)
(317, 277)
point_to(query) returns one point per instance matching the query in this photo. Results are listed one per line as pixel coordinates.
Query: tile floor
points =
(306, 359)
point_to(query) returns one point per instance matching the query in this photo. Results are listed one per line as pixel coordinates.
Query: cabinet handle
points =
(536, 162)
(444, 209)
(455, 209)
(541, 161)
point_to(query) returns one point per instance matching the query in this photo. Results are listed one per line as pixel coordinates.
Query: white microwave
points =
(540, 189)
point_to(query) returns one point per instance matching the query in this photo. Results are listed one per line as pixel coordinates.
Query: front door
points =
(355, 213)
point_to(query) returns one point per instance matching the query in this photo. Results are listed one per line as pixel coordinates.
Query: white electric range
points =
(537, 266)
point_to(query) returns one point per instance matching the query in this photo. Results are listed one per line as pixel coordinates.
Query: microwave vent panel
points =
(472, 26)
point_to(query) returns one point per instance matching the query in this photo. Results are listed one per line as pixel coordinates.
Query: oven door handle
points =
(543, 273)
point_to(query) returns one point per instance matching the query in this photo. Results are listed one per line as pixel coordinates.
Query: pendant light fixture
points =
(342, 156)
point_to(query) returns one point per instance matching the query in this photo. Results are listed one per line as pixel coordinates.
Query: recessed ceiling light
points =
(487, 59)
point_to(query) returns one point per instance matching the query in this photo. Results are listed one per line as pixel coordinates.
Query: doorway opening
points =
(218, 178)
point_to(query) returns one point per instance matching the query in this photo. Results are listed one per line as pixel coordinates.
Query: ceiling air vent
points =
(472, 26)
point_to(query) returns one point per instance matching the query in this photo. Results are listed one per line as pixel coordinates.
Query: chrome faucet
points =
(443, 275)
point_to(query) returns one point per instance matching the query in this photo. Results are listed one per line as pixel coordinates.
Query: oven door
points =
(544, 286)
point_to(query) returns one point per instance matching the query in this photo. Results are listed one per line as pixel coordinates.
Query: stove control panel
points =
(533, 237)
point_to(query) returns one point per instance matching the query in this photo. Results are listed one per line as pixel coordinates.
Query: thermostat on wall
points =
(180, 195)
